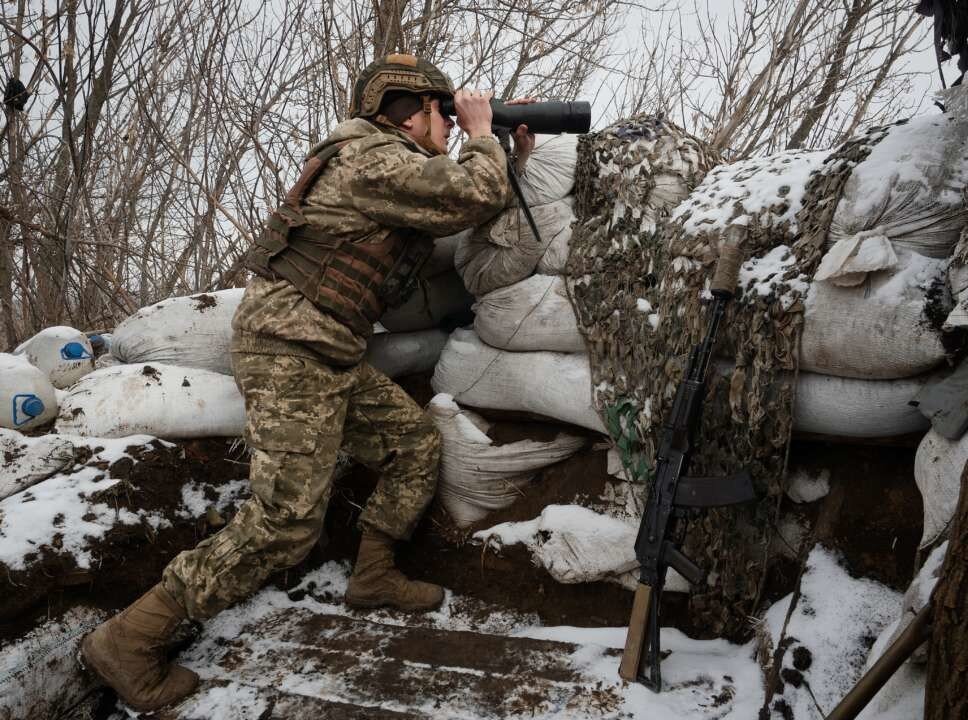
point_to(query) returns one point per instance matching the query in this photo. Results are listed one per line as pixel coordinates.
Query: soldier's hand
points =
(523, 140)
(474, 112)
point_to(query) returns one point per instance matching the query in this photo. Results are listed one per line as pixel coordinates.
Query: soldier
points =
(348, 240)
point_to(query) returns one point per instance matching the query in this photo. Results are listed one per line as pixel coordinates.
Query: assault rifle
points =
(672, 495)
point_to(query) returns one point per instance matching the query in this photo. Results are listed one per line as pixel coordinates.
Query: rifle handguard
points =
(727, 270)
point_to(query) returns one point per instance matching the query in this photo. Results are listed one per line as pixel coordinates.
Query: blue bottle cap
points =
(33, 407)
(74, 351)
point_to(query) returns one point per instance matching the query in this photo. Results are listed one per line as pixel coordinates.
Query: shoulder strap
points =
(311, 170)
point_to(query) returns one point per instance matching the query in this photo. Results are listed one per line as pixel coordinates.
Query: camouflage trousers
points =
(299, 413)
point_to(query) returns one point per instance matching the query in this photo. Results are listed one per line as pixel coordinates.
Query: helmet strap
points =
(427, 142)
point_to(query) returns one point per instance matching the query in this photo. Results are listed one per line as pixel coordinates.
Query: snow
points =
(195, 503)
(58, 512)
(913, 271)
(902, 697)
(769, 188)
(244, 701)
(704, 679)
(804, 488)
(835, 620)
(760, 275)
(915, 156)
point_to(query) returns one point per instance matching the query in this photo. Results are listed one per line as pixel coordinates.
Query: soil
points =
(876, 529)
(129, 560)
(204, 302)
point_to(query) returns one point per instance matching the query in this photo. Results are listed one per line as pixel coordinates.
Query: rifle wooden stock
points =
(637, 639)
(887, 664)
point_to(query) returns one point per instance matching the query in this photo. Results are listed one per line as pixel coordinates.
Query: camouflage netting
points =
(638, 273)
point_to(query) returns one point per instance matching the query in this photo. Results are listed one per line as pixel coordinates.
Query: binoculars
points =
(552, 117)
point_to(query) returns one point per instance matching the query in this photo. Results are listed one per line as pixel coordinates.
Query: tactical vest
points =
(353, 280)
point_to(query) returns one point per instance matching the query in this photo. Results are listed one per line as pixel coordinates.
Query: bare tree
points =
(767, 76)
(158, 133)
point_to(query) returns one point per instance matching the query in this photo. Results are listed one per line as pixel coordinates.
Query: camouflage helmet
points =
(396, 72)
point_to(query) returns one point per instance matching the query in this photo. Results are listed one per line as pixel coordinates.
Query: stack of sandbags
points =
(877, 305)
(516, 310)
(874, 310)
(519, 311)
(505, 250)
(558, 385)
(169, 371)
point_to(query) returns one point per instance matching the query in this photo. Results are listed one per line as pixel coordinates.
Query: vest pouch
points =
(306, 257)
(273, 240)
(403, 277)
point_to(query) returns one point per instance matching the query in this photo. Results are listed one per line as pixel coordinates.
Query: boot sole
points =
(371, 603)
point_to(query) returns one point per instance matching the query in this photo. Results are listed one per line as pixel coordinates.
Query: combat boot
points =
(376, 581)
(127, 653)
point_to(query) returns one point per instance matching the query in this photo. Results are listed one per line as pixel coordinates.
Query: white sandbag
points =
(40, 676)
(398, 354)
(938, 465)
(153, 399)
(442, 258)
(910, 187)
(504, 250)
(557, 385)
(27, 397)
(878, 330)
(28, 460)
(576, 545)
(847, 407)
(555, 258)
(533, 314)
(191, 331)
(106, 360)
(478, 477)
(63, 353)
(549, 174)
(436, 300)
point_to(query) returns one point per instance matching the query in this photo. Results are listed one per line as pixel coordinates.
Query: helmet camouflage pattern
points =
(396, 72)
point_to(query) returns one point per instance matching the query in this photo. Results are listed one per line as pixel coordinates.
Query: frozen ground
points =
(466, 660)
(303, 654)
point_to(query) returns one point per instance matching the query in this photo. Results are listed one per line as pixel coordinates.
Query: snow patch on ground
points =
(805, 488)
(832, 628)
(195, 502)
(704, 679)
(58, 513)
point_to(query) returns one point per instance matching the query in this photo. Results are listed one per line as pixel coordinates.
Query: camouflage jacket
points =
(380, 180)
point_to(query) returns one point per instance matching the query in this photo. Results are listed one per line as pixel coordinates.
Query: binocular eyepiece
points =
(552, 117)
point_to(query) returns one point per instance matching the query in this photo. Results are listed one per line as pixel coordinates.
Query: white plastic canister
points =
(27, 397)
